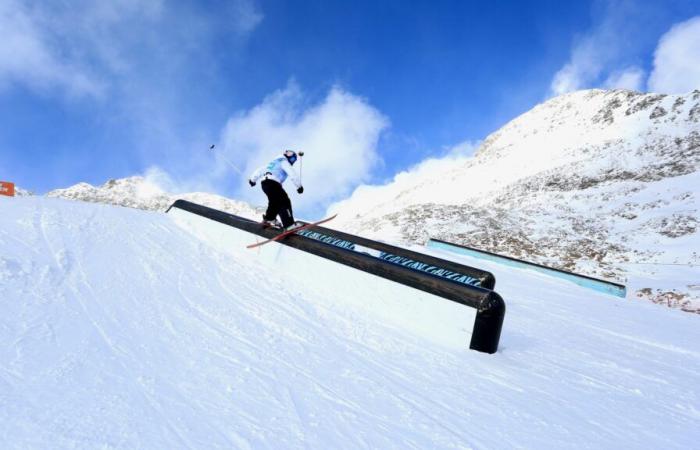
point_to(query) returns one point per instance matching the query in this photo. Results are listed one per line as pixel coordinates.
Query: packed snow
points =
(124, 329)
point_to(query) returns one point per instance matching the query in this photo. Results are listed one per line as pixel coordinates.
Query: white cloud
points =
(584, 66)
(464, 149)
(431, 167)
(453, 158)
(157, 181)
(599, 56)
(133, 65)
(26, 56)
(631, 78)
(246, 16)
(107, 48)
(677, 59)
(339, 137)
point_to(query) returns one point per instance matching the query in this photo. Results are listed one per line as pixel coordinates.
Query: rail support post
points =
(488, 324)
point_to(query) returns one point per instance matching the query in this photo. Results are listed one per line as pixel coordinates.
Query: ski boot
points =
(270, 223)
(293, 226)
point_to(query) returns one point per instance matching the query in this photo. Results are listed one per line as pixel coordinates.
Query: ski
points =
(284, 234)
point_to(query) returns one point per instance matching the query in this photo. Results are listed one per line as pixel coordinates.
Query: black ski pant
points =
(278, 202)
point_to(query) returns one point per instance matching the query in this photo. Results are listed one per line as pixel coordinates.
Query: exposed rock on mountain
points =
(603, 183)
(19, 192)
(138, 192)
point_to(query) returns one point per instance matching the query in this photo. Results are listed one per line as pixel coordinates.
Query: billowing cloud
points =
(431, 168)
(160, 181)
(199, 180)
(246, 16)
(28, 57)
(588, 59)
(599, 57)
(677, 59)
(339, 137)
(95, 49)
(631, 78)
(585, 65)
(141, 68)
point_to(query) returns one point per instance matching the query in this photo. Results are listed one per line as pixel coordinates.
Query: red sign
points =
(7, 188)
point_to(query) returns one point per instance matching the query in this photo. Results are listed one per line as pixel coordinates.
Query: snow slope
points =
(604, 183)
(121, 329)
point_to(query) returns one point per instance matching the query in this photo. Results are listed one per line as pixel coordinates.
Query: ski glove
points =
(300, 190)
(251, 182)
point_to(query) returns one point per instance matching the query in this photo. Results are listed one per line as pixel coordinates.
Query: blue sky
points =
(97, 90)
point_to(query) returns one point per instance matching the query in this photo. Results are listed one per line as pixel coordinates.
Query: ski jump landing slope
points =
(119, 330)
(355, 270)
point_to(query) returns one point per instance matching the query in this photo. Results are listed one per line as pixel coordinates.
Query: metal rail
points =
(417, 270)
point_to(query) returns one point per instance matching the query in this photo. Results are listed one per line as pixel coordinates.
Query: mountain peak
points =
(598, 182)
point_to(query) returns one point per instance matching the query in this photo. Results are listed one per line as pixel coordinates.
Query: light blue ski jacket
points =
(278, 169)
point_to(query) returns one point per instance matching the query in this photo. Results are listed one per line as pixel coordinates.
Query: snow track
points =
(122, 330)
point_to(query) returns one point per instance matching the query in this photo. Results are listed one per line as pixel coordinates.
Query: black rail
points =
(423, 272)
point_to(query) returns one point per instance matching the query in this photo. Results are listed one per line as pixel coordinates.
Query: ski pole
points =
(301, 166)
(227, 161)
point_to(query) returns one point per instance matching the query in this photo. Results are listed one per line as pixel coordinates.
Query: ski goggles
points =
(291, 156)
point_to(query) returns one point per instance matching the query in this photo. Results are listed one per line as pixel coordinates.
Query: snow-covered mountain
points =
(140, 193)
(604, 183)
(19, 192)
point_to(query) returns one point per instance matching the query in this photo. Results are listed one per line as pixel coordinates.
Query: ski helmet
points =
(291, 156)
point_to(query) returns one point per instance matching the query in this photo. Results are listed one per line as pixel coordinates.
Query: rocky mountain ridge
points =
(603, 183)
(138, 192)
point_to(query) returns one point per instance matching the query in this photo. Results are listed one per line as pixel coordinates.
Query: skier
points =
(273, 175)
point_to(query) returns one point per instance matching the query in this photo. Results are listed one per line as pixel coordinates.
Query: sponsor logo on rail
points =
(393, 259)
